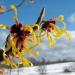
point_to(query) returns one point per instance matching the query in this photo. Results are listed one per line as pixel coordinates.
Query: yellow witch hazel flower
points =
(13, 7)
(50, 27)
(23, 37)
(2, 9)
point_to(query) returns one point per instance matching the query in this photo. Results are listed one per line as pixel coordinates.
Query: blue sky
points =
(28, 13)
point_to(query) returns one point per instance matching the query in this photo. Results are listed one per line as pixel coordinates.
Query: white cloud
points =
(3, 36)
(62, 49)
(71, 19)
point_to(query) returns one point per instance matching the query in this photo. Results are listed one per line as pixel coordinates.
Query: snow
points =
(52, 69)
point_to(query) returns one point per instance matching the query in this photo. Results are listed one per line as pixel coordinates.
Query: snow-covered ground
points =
(53, 69)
